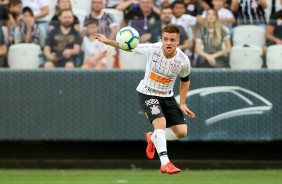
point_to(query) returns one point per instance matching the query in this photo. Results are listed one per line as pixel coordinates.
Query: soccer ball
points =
(127, 38)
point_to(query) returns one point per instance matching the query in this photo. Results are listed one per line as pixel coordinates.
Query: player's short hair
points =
(170, 29)
(92, 21)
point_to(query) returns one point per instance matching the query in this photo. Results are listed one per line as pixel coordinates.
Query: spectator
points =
(226, 17)
(4, 12)
(40, 9)
(273, 32)
(211, 38)
(166, 16)
(250, 12)
(107, 24)
(15, 7)
(3, 49)
(142, 18)
(94, 51)
(180, 18)
(63, 43)
(28, 31)
(63, 5)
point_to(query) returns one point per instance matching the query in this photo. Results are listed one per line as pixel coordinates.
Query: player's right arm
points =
(107, 41)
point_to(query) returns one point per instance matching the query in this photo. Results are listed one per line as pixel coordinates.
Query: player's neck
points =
(169, 55)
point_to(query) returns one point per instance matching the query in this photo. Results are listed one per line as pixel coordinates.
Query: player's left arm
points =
(184, 87)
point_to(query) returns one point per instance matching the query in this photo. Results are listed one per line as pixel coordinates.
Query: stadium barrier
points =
(83, 105)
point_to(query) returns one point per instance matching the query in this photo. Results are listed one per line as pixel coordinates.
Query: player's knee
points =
(183, 133)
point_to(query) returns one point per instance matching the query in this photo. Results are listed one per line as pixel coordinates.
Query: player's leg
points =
(176, 132)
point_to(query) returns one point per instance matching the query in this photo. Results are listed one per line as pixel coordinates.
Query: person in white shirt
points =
(180, 18)
(94, 51)
(40, 10)
(225, 16)
(164, 63)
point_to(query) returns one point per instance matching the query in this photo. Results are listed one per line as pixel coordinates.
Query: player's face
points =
(170, 42)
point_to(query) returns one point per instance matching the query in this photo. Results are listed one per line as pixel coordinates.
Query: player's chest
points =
(163, 66)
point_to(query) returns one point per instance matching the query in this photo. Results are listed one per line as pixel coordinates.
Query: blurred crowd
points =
(66, 32)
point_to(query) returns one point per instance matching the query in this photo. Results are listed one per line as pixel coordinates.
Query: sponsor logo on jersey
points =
(160, 79)
(155, 91)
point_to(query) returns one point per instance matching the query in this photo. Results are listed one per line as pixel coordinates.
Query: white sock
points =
(158, 138)
(170, 135)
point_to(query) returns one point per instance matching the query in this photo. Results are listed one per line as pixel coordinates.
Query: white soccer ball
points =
(127, 38)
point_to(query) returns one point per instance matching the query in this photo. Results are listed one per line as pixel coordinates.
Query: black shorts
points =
(158, 107)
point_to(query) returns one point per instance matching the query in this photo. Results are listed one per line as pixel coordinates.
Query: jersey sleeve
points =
(145, 48)
(185, 68)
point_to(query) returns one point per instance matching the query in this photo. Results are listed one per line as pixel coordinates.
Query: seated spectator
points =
(250, 12)
(95, 52)
(180, 18)
(107, 23)
(15, 8)
(211, 38)
(3, 49)
(63, 5)
(166, 16)
(273, 32)
(40, 9)
(63, 43)
(4, 12)
(142, 18)
(226, 17)
(28, 31)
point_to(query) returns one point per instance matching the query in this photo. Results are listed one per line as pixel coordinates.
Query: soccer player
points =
(164, 62)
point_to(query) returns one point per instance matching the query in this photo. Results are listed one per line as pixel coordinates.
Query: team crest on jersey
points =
(174, 67)
(155, 110)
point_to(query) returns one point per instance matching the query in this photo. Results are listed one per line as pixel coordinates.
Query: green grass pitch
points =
(140, 177)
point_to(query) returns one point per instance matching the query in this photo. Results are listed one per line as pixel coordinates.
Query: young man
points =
(164, 62)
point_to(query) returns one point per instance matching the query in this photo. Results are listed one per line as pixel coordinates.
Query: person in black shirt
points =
(63, 43)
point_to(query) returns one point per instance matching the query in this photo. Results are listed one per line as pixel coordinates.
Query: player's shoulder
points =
(182, 56)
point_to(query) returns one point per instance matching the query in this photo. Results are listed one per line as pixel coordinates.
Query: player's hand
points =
(187, 111)
(101, 38)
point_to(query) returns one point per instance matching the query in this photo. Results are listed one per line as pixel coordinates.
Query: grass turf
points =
(140, 177)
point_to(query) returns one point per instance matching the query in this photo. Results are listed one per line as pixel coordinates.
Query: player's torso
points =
(161, 73)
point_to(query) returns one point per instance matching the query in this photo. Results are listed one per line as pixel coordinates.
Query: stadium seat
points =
(81, 14)
(118, 15)
(274, 57)
(81, 5)
(24, 56)
(131, 60)
(249, 35)
(246, 57)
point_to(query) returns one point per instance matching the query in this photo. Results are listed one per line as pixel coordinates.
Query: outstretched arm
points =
(184, 87)
(107, 41)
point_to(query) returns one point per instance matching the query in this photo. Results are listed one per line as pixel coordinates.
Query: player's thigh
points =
(172, 112)
(180, 130)
(151, 107)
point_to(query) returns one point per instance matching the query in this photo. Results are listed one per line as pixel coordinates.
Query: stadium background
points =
(91, 119)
